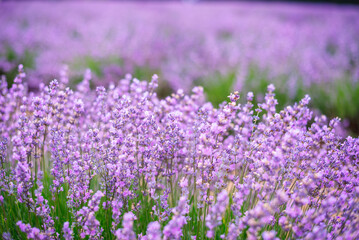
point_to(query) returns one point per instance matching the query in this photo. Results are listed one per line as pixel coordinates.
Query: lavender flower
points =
(126, 232)
(7, 236)
(31, 233)
(153, 231)
(68, 232)
(87, 220)
(214, 217)
(173, 230)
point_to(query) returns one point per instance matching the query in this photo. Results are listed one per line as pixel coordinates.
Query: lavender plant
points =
(120, 163)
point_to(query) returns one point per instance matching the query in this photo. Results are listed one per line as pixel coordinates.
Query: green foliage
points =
(27, 59)
(217, 87)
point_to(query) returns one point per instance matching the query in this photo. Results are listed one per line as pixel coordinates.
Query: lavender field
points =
(179, 121)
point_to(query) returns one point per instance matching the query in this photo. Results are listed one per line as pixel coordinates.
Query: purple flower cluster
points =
(173, 230)
(214, 217)
(31, 233)
(68, 232)
(126, 233)
(86, 218)
(132, 165)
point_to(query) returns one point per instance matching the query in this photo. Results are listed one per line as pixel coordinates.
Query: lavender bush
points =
(119, 163)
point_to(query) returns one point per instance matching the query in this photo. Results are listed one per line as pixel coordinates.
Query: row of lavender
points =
(121, 163)
(308, 44)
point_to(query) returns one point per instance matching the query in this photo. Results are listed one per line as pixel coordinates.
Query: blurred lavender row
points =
(183, 43)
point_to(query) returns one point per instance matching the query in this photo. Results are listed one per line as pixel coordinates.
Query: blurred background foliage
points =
(184, 61)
